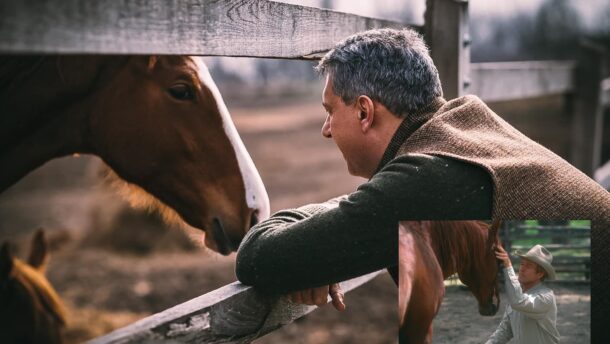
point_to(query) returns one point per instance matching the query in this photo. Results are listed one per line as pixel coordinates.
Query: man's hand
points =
(503, 256)
(318, 296)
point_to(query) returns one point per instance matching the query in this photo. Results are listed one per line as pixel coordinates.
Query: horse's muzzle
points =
(490, 310)
(224, 244)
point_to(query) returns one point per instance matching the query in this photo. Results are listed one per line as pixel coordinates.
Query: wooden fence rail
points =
(501, 81)
(232, 314)
(256, 28)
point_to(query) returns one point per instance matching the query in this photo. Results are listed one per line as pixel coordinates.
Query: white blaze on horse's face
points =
(256, 195)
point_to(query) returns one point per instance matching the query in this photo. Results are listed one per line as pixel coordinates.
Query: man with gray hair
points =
(531, 314)
(424, 158)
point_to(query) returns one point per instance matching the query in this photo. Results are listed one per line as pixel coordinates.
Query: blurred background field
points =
(113, 265)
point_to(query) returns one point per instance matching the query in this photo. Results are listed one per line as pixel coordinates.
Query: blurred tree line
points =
(554, 31)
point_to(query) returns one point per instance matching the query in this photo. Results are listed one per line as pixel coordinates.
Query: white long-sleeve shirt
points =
(530, 317)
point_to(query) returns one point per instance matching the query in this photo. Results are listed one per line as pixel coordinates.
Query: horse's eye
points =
(182, 92)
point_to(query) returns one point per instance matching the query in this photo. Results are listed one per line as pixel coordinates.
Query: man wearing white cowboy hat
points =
(531, 313)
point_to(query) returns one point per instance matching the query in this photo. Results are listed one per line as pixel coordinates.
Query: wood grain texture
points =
(234, 313)
(187, 27)
(500, 81)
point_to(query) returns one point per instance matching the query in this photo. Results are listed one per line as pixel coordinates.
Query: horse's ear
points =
(39, 251)
(6, 261)
(144, 64)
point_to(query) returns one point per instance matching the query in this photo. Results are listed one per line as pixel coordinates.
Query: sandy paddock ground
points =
(458, 320)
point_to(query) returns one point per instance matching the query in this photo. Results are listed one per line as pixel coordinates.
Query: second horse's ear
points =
(38, 251)
(6, 262)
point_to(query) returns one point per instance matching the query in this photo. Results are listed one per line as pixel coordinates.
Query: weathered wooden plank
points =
(232, 314)
(257, 28)
(446, 32)
(500, 81)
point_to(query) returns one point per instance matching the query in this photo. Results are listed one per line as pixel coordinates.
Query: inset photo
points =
(518, 281)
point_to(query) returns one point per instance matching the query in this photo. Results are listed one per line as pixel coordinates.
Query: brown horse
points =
(30, 309)
(158, 121)
(430, 252)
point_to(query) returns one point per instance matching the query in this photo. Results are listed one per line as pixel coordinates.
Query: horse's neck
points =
(453, 244)
(44, 111)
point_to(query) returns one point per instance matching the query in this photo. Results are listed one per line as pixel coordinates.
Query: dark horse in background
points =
(158, 122)
(431, 251)
(30, 309)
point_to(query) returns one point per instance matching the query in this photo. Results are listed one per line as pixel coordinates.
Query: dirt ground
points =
(458, 320)
(113, 266)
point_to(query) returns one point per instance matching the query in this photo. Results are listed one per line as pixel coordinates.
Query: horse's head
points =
(162, 125)
(30, 310)
(481, 275)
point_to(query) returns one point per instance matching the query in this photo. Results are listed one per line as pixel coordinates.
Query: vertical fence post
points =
(587, 120)
(446, 32)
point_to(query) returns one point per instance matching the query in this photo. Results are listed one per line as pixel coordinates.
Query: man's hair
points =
(392, 67)
(541, 269)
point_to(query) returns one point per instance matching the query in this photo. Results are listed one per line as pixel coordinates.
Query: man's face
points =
(343, 125)
(528, 273)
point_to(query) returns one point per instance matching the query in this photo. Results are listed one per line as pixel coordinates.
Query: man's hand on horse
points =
(318, 296)
(502, 255)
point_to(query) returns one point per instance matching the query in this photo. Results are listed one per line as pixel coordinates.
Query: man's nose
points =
(326, 128)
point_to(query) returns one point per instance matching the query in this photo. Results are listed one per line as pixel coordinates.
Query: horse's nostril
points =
(254, 218)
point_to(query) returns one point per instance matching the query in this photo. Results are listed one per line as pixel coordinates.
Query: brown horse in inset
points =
(431, 251)
(30, 309)
(158, 121)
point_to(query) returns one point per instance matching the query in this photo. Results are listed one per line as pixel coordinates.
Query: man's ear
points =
(366, 112)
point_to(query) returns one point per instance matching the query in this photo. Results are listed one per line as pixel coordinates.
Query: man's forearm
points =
(514, 293)
(314, 245)
(309, 247)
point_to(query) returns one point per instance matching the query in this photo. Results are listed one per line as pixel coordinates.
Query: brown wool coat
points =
(530, 181)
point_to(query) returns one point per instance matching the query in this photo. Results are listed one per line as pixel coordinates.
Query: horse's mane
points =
(455, 240)
(141, 199)
(40, 285)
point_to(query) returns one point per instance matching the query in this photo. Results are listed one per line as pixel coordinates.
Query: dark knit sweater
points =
(319, 244)
(452, 160)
